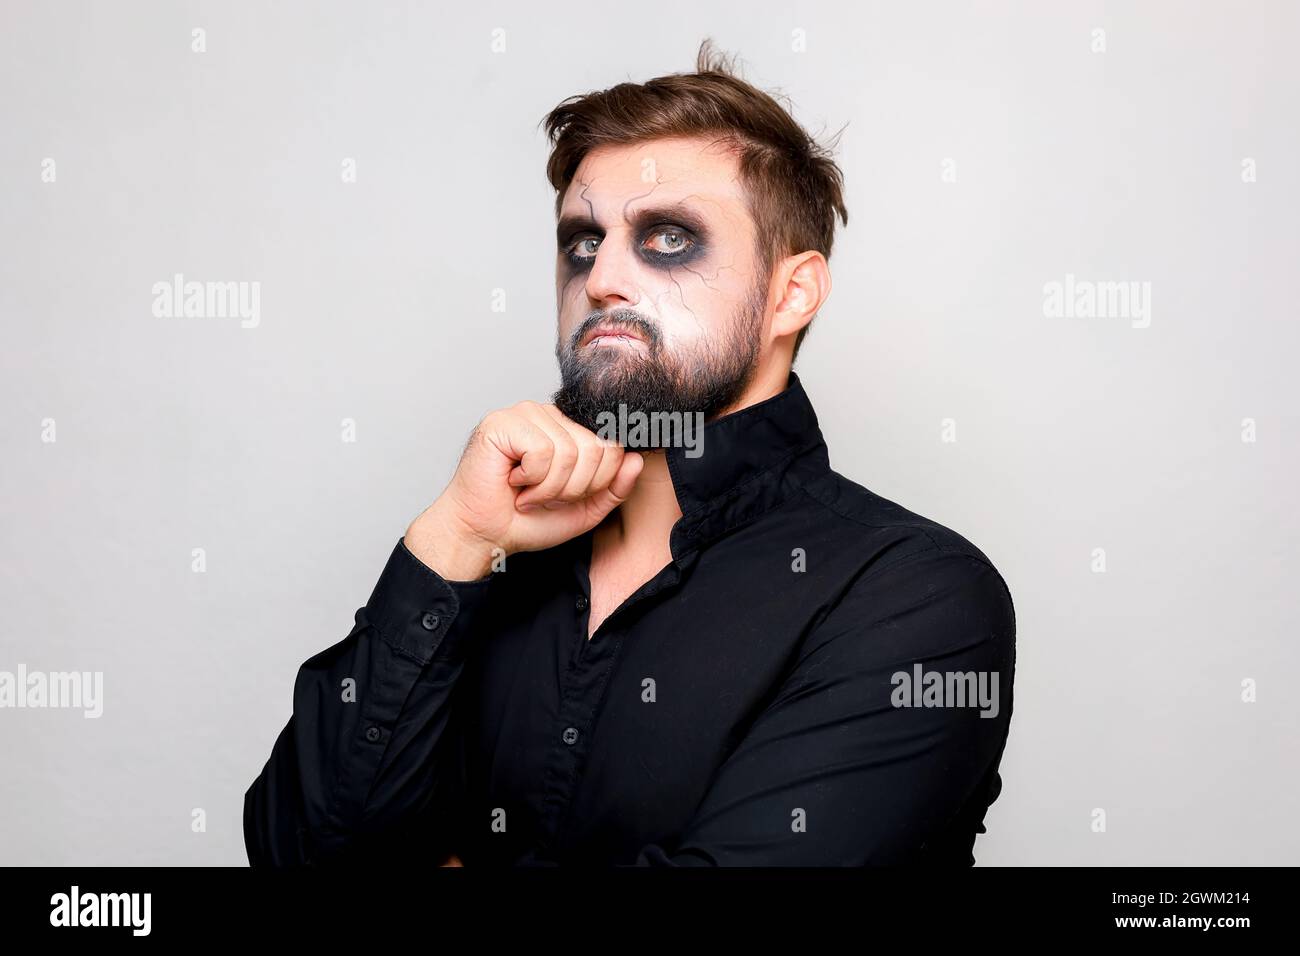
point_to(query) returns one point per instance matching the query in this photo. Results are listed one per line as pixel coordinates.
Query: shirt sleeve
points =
(367, 766)
(842, 767)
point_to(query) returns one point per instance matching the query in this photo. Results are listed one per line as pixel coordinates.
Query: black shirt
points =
(743, 707)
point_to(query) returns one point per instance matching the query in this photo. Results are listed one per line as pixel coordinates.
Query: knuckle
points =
(566, 452)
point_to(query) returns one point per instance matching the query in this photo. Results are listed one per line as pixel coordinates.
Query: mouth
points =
(609, 336)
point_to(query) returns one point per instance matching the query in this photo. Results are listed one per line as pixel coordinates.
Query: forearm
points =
(364, 756)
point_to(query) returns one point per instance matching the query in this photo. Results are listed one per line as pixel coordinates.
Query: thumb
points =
(605, 501)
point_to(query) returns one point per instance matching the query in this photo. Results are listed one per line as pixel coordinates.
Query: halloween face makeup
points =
(660, 304)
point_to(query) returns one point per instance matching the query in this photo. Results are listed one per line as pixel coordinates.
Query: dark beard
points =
(708, 378)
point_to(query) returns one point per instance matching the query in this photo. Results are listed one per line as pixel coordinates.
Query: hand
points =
(529, 479)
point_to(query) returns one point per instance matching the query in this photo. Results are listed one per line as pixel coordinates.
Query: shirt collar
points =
(748, 462)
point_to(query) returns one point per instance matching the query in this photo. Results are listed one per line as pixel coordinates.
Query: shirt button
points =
(580, 604)
(430, 621)
(570, 735)
(372, 734)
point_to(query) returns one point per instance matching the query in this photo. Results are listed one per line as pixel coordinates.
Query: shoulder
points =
(905, 563)
(879, 522)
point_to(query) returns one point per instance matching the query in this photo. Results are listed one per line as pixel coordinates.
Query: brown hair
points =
(794, 187)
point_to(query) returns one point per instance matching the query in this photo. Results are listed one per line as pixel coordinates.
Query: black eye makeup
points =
(666, 244)
(666, 237)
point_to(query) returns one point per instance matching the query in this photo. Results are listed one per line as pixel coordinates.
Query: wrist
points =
(442, 542)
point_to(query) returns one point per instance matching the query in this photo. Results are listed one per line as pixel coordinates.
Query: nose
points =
(612, 280)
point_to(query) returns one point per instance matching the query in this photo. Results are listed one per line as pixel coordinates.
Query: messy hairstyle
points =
(793, 186)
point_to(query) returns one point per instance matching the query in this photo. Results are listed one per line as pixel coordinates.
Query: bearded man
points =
(593, 650)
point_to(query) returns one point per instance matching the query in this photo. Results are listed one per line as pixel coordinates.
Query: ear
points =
(803, 283)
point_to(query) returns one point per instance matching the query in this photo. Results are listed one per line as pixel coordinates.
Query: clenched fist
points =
(529, 479)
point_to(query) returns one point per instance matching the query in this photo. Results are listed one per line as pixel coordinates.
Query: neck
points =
(645, 521)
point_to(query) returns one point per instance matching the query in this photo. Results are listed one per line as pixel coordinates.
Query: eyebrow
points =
(680, 212)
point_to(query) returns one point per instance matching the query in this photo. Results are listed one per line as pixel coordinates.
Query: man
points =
(704, 649)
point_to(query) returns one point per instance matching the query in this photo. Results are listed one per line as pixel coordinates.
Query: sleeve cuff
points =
(420, 613)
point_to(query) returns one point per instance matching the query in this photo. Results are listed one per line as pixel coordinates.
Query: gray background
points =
(1073, 434)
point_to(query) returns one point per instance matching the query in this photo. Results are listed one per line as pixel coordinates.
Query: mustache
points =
(618, 318)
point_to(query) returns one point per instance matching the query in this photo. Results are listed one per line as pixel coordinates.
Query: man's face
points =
(660, 299)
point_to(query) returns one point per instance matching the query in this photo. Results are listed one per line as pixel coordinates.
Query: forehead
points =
(620, 179)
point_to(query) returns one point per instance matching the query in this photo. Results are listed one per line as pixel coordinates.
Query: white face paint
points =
(658, 292)
(666, 232)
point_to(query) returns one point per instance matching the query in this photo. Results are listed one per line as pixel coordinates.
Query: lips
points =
(611, 331)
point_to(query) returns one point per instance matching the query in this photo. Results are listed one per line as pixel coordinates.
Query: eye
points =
(676, 242)
(580, 250)
(668, 242)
